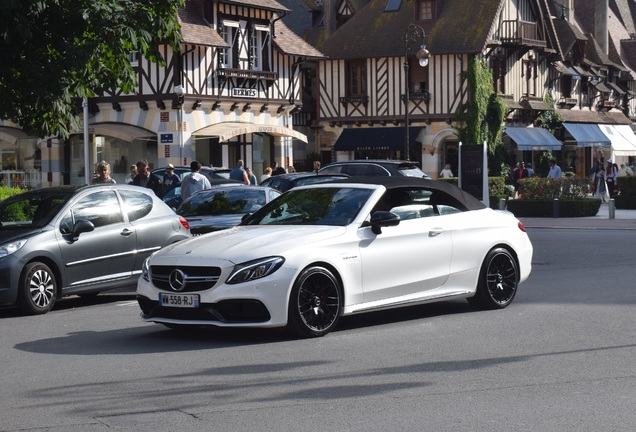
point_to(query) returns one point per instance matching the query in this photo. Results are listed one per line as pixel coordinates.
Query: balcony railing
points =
(519, 32)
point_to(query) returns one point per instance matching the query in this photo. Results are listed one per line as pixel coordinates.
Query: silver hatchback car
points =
(67, 240)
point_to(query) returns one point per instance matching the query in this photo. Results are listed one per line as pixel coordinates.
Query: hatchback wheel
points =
(498, 280)
(315, 303)
(37, 289)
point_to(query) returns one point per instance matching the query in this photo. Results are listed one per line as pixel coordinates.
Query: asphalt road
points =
(560, 358)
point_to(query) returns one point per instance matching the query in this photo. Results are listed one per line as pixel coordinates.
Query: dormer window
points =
(228, 57)
(259, 48)
(425, 10)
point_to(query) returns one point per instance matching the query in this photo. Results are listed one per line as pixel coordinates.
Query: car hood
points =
(9, 234)
(243, 243)
(205, 224)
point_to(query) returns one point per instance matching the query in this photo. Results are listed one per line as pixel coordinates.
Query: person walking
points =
(170, 179)
(195, 181)
(611, 172)
(145, 178)
(266, 174)
(103, 174)
(239, 173)
(519, 173)
(277, 170)
(131, 175)
(555, 170)
(251, 176)
(317, 165)
(446, 172)
(600, 186)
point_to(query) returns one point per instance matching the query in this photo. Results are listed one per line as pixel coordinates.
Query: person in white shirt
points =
(555, 170)
(446, 172)
(195, 181)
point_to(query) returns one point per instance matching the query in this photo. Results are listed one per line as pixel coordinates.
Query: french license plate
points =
(179, 300)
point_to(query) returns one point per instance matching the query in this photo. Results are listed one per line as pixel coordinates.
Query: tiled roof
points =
(586, 116)
(260, 4)
(194, 29)
(567, 33)
(375, 33)
(290, 43)
(595, 54)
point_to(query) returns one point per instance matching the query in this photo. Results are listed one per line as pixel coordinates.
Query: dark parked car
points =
(173, 196)
(66, 240)
(373, 168)
(209, 172)
(223, 206)
(284, 182)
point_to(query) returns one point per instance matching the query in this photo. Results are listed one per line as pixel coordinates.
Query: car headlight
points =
(9, 248)
(145, 269)
(256, 269)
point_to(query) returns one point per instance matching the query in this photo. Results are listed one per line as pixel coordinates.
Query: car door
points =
(406, 259)
(104, 255)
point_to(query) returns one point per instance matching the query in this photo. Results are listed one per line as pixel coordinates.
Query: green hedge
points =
(6, 192)
(626, 198)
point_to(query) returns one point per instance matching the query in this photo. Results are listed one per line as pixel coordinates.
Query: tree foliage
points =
(52, 51)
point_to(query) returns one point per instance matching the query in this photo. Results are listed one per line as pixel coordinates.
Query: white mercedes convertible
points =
(319, 252)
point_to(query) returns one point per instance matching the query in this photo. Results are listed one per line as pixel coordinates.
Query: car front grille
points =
(196, 278)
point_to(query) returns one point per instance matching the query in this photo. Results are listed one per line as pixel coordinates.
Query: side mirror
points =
(381, 219)
(81, 226)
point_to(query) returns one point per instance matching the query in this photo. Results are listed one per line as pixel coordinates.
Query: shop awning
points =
(12, 135)
(377, 138)
(124, 132)
(622, 137)
(587, 135)
(227, 130)
(533, 138)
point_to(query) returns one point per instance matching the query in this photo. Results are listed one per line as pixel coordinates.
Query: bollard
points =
(612, 208)
(502, 204)
(555, 208)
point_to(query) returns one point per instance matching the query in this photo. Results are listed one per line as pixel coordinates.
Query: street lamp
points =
(413, 34)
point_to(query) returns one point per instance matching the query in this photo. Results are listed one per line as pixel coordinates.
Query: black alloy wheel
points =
(315, 303)
(498, 280)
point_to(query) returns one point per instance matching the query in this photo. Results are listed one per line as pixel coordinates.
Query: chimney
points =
(600, 24)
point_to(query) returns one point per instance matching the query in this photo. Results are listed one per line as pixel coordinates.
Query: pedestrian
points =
(251, 176)
(277, 170)
(131, 175)
(266, 174)
(317, 166)
(103, 174)
(291, 169)
(145, 178)
(446, 172)
(555, 170)
(195, 181)
(530, 170)
(239, 173)
(170, 179)
(600, 186)
(519, 173)
(611, 172)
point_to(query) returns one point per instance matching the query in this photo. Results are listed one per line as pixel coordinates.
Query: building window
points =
(425, 10)
(357, 85)
(133, 58)
(228, 57)
(259, 48)
(529, 74)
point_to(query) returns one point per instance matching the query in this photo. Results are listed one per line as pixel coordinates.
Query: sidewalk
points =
(623, 219)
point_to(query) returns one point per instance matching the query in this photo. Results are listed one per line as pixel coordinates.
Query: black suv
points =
(284, 182)
(374, 168)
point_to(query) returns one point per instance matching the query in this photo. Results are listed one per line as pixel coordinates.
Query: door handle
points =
(434, 232)
(126, 232)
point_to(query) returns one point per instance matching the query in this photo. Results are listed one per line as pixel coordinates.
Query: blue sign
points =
(166, 138)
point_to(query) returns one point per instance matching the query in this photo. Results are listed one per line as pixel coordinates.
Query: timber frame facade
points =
(229, 93)
(540, 59)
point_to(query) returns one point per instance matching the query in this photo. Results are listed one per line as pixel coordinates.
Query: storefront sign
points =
(166, 138)
(244, 92)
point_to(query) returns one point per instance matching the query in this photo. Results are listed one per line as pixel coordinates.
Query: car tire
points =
(37, 289)
(315, 303)
(498, 280)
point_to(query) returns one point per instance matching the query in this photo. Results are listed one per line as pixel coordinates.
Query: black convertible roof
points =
(398, 182)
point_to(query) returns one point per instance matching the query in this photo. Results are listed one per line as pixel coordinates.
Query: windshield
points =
(319, 206)
(412, 171)
(32, 209)
(235, 201)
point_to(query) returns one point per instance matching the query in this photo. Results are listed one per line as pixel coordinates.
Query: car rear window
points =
(137, 204)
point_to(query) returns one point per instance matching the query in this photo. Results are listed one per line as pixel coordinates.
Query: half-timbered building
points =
(228, 94)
